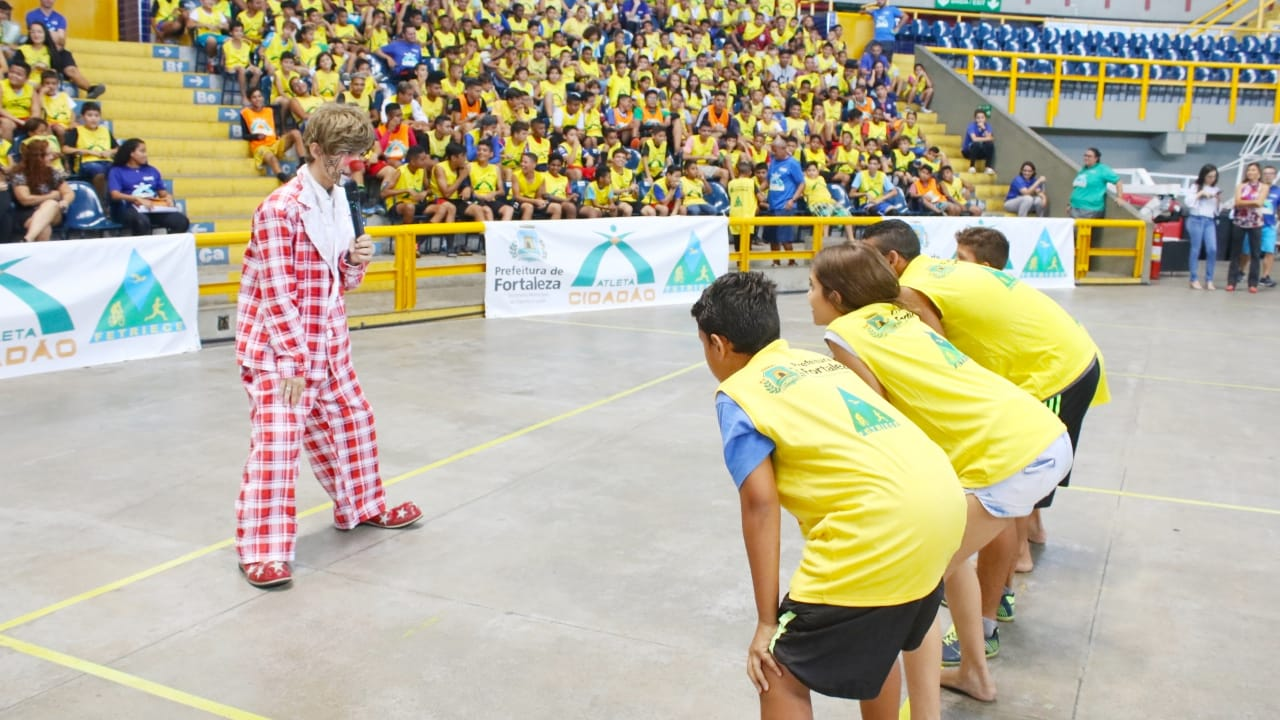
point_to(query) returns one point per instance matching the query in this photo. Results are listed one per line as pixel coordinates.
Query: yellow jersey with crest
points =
(1009, 327)
(990, 428)
(877, 502)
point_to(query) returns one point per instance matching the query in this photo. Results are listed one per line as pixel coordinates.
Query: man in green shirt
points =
(1089, 189)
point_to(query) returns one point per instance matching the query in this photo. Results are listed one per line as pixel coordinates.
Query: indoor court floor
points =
(581, 554)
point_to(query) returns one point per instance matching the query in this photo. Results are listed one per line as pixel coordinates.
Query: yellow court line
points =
(1176, 500)
(1189, 381)
(196, 554)
(116, 585)
(130, 681)
(601, 326)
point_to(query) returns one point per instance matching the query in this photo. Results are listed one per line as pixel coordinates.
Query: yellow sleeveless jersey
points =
(556, 187)
(235, 57)
(484, 179)
(17, 102)
(58, 109)
(877, 501)
(989, 427)
(1009, 327)
(98, 140)
(742, 197)
(407, 180)
(326, 84)
(450, 177)
(528, 187)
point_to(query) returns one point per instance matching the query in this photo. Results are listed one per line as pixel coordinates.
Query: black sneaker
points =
(1267, 282)
(96, 91)
(282, 177)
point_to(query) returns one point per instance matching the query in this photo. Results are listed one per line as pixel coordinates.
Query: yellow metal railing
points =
(402, 272)
(1144, 82)
(1196, 27)
(1085, 251)
(1216, 15)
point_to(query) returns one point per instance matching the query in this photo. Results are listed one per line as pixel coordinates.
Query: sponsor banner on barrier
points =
(537, 268)
(78, 303)
(1042, 251)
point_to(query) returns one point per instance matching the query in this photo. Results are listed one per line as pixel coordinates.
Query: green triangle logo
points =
(950, 352)
(140, 307)
(1005, 278)
(1008, 264)
(693, 271)
(1044, 261)
(866, 417)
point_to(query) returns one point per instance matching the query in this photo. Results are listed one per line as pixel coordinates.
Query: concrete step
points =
(154, 129)
(230, 186)
(193, 148)
(84, 46)
(160, 95)
(118, 108)
(199, 208)
(116, 78)
(91, 61)
(230, 165)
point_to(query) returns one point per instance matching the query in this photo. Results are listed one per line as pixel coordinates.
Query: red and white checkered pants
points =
(335, 424)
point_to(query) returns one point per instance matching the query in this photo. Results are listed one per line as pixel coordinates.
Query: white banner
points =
(76, 303)
(538, 268)
(1042, 251)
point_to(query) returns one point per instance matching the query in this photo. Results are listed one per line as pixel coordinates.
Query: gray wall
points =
(1207, 118)
(1135, 151)
(955, 101)
(1168, 11)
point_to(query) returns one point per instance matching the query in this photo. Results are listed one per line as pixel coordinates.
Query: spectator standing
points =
(1269, 225)
(294, 352)
(979, 143)
(1026, 193)
(786, 187)
(139, 200)
(888, 21)
(1246, 231)
(1089, 189)
(10, 31)
(1203, 200)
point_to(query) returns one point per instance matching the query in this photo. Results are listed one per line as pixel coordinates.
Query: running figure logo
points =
(140, 307)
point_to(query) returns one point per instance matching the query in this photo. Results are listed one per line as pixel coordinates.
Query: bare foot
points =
(1035, 529)
(1025, 562)
(976, 688)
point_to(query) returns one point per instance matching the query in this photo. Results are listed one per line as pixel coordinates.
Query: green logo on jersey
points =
(1005, 278)
(950, 352)
(867, 418)
(693, 271)
(778, 378)
(140, 307)
(1044, 261)
(942, 269)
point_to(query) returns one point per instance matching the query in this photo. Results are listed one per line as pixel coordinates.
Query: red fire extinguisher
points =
(1157, 250)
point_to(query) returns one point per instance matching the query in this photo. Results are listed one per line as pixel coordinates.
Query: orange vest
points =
(722, 121)
(468, 110)
(260, 122)
(646, 116)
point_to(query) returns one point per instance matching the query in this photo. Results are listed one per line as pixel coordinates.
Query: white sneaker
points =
(972, 170)
(1195, 285)
(1209, 286)
(991, 171)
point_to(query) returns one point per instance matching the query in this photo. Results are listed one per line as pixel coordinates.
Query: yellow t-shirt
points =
(556, 187)
(58, 109)
(742, 197)
(816, 192)
(877, 501)
(1009, 327)
(327, 84)
(691, 192)
(990, 428)
(528, 187)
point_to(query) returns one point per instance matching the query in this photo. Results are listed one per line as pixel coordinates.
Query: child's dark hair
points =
(90, 106)
(894, 235)
(741, 307)
(989, 246)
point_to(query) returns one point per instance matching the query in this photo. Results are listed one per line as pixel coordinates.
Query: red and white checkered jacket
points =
(286, 321)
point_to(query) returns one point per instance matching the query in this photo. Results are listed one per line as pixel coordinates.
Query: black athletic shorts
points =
(848, 652)
(1070, 406)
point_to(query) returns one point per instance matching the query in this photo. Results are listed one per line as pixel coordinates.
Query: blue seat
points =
(1228, 44)
(633, 158)
(579, 188)
(85, 217)
(718, 199)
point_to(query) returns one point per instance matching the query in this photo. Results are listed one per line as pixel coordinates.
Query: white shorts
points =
(1017, 496)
